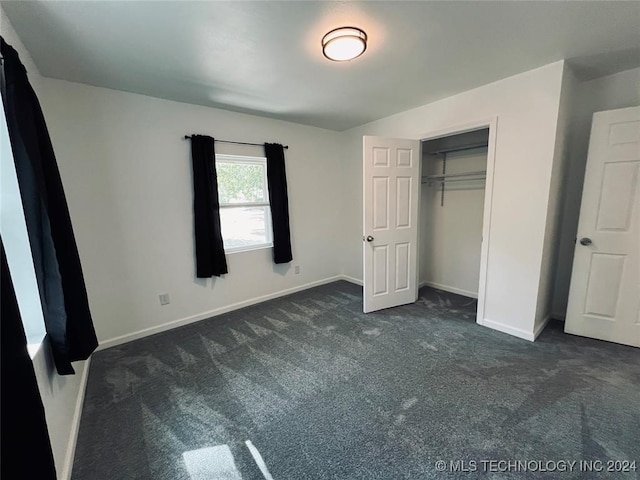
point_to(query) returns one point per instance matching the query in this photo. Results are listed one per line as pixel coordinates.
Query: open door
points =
(604, 298)
(390, 236)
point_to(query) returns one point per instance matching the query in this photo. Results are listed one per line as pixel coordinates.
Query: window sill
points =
(34, 348)
(249, 248)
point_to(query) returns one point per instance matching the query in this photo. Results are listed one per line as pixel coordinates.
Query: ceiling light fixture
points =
(344, 43)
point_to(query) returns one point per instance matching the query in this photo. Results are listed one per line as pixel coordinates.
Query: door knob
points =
(369, 238)
(585, 241)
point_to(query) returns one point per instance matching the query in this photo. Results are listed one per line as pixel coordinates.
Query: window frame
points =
(15, 238)
(247, 160)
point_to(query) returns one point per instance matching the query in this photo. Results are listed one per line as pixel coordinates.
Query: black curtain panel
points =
(279, 200)
(210, 258)
(63, 293)
(24, 438)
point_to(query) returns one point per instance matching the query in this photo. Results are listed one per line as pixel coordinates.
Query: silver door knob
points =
(585, 241)
(369, 238)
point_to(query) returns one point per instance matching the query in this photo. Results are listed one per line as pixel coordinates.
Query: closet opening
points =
(452, 215)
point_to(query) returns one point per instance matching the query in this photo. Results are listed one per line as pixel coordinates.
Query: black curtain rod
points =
(186, 137)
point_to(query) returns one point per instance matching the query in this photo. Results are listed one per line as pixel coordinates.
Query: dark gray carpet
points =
(326, 392)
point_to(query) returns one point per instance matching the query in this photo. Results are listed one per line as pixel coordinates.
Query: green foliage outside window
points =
(240, 183)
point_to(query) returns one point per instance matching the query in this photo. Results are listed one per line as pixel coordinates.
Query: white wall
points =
(558, 180)
(527, 109)
(607, 93)
(61, 396)
(451, 234)
(127, 175)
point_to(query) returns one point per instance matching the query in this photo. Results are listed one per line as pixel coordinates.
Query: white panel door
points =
(391, 192)
(604, 298)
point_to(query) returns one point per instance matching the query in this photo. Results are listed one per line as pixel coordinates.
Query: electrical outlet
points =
(296, 269)
(164, 299)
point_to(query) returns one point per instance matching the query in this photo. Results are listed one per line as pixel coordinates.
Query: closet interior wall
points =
(451, 222)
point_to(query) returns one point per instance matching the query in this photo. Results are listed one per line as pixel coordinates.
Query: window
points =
(245, 215)
(16, 245)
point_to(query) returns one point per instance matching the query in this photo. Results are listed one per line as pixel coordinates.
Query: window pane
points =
(245, 226)
(241, 182)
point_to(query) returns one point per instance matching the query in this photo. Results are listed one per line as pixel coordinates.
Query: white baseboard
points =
(75, 424)
(447, 288)
(516, 332)
(145, 332)
(540, 327)
(352, 280)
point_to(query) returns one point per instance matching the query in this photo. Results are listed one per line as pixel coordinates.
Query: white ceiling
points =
(263, 57)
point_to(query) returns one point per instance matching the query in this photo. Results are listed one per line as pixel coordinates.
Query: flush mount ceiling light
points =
(345, 43)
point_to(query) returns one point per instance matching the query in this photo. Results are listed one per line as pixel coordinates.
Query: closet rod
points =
(186, 137)
(449, 175)
(444, 180)
(460, 149)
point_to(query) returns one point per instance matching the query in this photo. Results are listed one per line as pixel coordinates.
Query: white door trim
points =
(492, 124)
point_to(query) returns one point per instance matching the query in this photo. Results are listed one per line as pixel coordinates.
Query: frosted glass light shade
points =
(345, 43)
